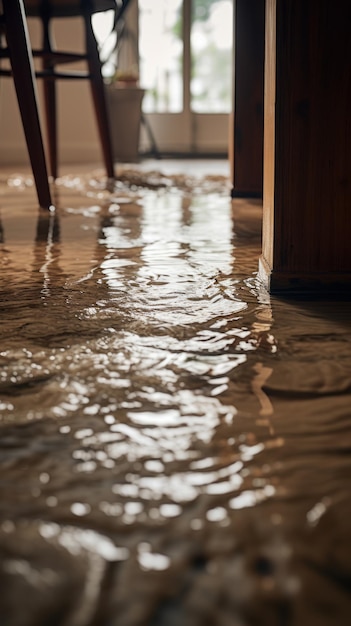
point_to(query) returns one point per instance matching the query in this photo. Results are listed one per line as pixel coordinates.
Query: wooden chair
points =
(46, 11)
(18, 51)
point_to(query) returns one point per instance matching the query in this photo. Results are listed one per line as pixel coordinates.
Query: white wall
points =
(78, 138)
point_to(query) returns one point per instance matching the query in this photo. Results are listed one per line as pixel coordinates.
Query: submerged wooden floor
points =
(174, 443)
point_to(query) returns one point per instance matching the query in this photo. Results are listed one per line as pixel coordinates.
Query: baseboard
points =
(304, 284)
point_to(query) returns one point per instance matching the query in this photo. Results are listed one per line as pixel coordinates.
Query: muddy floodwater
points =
(175, 445)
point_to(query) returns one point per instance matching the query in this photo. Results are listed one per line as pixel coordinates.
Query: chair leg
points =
(23, 76)
(99, 98)
(49, 91)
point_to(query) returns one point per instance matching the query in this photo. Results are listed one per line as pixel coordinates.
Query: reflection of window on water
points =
(161, 55)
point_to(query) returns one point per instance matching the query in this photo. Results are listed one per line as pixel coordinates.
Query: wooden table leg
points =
(246, 140)
(307, 147)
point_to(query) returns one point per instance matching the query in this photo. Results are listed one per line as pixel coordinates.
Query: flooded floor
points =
(174, 443)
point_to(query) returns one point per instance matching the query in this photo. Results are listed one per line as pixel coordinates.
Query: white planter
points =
(124, 106)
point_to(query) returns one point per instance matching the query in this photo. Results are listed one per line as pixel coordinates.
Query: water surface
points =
(175, 445)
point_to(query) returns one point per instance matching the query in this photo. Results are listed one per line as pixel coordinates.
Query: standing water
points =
(175, 445)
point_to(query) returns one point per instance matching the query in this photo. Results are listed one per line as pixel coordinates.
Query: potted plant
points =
(124, 101)
(123, 93)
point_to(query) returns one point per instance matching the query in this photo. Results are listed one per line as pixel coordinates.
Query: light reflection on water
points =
(161, 415)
